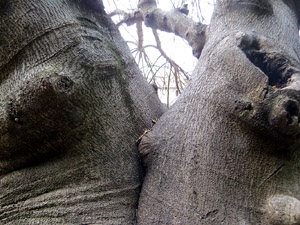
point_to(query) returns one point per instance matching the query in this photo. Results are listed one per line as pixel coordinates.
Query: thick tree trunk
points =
(73, 104)
(227, 152)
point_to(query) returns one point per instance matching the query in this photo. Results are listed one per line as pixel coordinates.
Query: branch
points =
(174, 21)
(172, 63)
(128, 18)
(139, 28)
(117, 12)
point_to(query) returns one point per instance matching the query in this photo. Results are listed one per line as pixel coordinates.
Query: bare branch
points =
(139, 28)
(176, 22)
(173, 74)
(172, 63)
(117, 12)
(128, 18)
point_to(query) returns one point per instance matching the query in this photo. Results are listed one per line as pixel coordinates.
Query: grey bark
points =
(73, 104)
(227, 152)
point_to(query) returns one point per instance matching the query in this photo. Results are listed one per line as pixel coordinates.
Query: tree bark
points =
(227, 152)
(73, 104)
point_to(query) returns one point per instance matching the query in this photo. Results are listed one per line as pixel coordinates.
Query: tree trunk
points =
(227, 152)
(73, 104)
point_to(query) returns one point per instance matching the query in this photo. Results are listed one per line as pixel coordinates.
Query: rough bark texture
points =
(227, 152)
(73, 104)
(176, 22)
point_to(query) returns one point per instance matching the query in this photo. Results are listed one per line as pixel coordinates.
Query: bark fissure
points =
(29, 42)
(272, 174)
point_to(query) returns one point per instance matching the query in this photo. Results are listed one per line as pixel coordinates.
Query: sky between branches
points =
(175, 47)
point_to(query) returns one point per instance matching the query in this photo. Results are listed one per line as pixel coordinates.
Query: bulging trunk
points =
(227, 152)
(73, 104)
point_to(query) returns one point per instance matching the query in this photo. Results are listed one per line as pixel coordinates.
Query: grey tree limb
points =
(174, 21)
